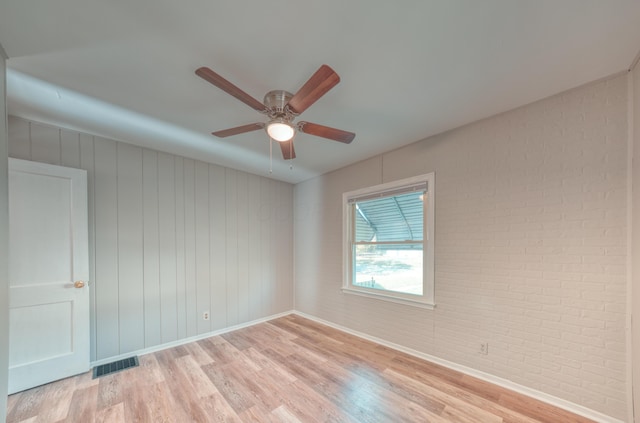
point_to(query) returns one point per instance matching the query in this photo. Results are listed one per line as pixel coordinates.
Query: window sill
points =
(389, 298)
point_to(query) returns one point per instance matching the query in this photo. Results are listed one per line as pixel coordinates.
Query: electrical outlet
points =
(205, 315)
(484, 348)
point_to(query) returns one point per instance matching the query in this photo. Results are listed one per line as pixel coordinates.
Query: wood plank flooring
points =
(287, 370)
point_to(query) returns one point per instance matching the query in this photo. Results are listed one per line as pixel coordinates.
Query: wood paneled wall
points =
(171, 238)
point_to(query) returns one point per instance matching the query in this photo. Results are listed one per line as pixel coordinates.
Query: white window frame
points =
(426, 300)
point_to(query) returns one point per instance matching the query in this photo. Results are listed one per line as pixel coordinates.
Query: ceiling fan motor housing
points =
(276, 102)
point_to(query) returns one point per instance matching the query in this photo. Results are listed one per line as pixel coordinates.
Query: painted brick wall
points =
(530, 246)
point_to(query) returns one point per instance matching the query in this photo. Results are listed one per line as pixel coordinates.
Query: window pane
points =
(390, 267)
(396, 218)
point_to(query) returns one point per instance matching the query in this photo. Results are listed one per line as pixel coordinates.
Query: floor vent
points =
(116, 366)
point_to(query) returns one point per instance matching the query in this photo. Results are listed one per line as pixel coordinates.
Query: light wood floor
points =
(287, 370)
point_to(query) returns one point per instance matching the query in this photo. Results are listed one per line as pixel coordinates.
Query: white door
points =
(48, 273)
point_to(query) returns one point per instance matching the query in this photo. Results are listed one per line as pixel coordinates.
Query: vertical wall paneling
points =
(130, 248)
(167, 244)
(20, 141)
(69, 148)
(87, 162)
(243, 247)
(280, 252)
(170, 238)
(202, 246)
(45, 144)
(218, 252)
(151, 245)
(286, 242)
(181, 271)
(254, 237)
(232, 247)
(266, 238)
(190, 246)
(276, 254)
(106, 248)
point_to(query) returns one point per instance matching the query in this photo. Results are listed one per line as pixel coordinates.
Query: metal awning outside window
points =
(390, 218)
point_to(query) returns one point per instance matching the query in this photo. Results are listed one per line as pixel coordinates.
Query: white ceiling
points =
(124, 69)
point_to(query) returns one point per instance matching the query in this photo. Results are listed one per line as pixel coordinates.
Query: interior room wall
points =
(4, 234)
(530, 242)
(635, 290)
(171, 238)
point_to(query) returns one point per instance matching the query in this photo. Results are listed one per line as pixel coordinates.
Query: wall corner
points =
(4, 243)
(633, 267)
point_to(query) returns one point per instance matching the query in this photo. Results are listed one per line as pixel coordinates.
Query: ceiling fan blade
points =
(226, 86)
(238, 130)
(326, 132)
(320, 82)
(287, 149)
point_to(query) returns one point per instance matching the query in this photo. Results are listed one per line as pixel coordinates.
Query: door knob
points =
(79, 284)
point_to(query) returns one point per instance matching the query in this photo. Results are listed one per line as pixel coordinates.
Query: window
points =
(388, 241)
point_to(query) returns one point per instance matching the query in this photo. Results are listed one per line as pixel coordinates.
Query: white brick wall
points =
(530, 246)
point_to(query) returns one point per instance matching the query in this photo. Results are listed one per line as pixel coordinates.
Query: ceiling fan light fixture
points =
(281, 109)
(280, 130)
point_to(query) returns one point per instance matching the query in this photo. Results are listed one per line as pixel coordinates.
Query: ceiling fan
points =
(282, 107)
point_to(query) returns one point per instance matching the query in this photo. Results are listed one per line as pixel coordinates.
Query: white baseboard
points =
(505, 383)
(189, 339)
